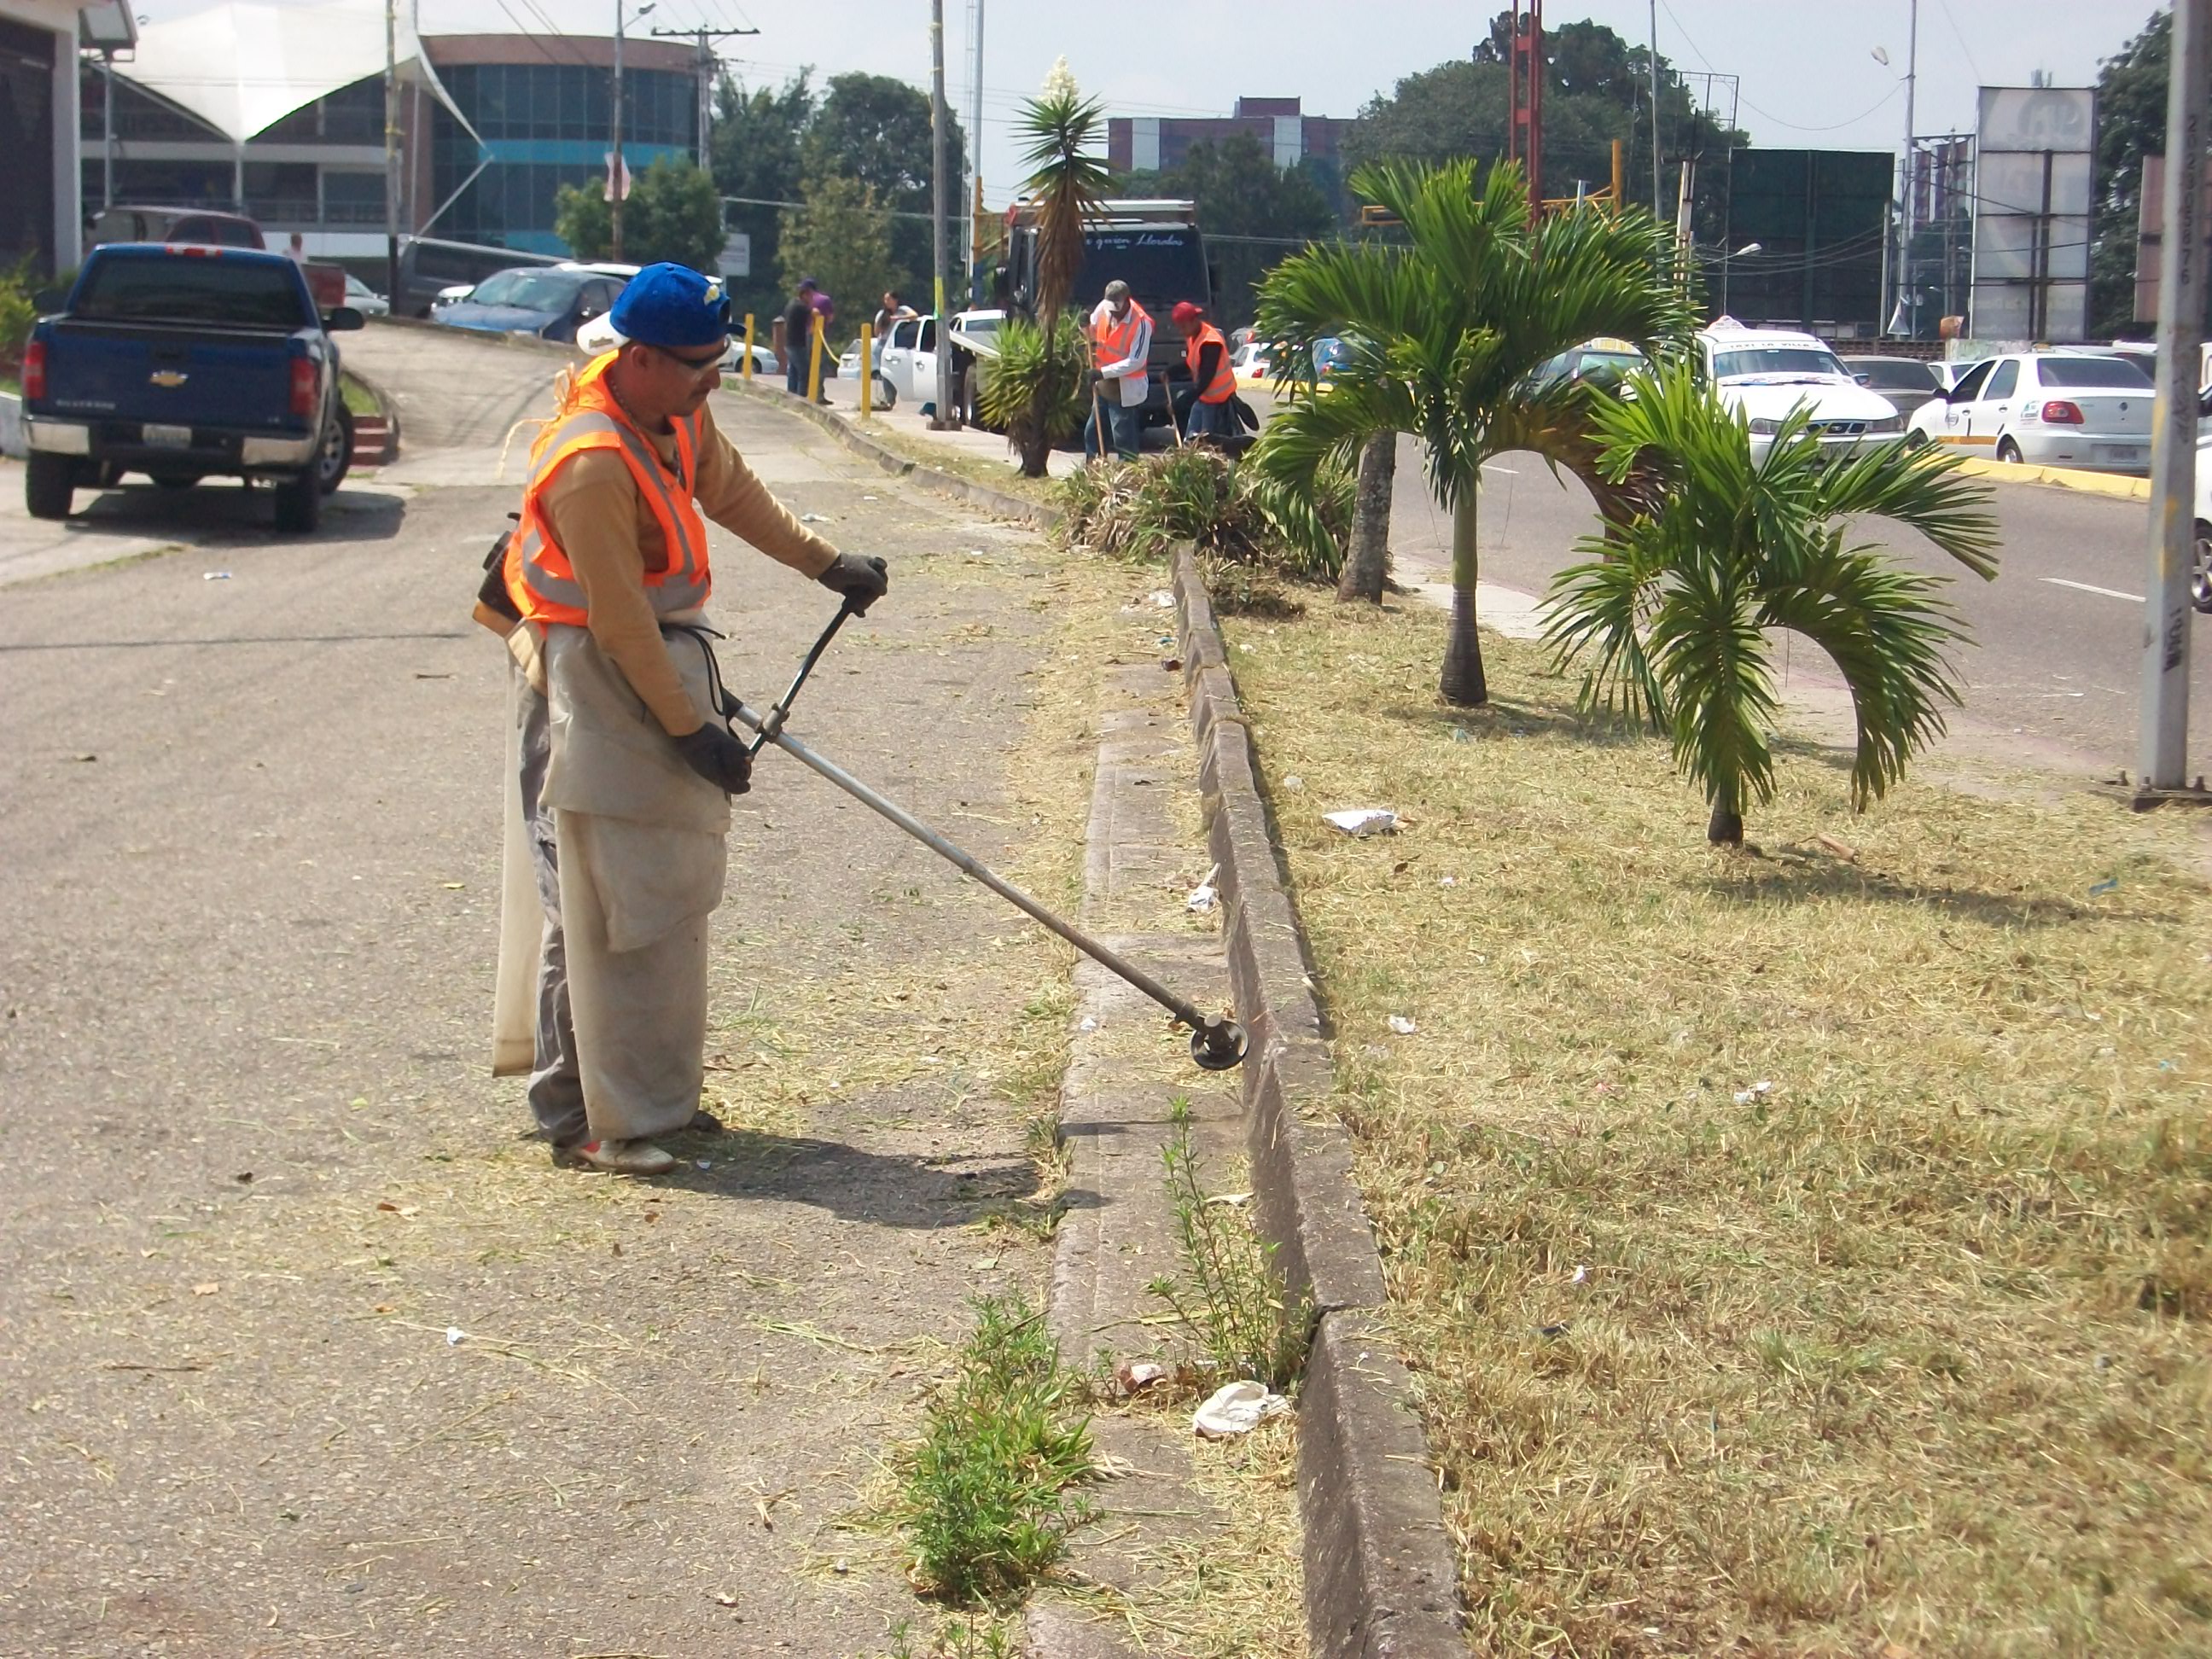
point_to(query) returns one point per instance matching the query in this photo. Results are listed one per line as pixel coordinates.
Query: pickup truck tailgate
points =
(237, 379)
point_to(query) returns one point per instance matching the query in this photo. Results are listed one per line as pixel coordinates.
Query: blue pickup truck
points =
(184, 363)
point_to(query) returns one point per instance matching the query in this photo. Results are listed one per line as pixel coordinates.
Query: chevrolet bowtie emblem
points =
(168, 379)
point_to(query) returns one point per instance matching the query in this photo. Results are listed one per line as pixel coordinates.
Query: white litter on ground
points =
(1363, 820)
(1239, 1408)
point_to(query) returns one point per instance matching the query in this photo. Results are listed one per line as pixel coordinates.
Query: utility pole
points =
(392, 156)
(1906, 291)
(940, 123)
(1658, 205)
(1683, 243)
(618, 179)
(702, 34)
(975, 161)
(2181, 286)
(108, 128)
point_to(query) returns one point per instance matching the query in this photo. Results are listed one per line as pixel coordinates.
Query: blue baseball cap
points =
(672, 305)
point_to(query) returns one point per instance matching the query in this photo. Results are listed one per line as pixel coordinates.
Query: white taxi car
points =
(1769, 374)
(2046, 409)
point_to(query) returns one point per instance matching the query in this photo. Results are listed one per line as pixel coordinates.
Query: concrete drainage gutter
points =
(1381, 1581)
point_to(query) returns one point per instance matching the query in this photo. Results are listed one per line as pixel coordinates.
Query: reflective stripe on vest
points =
(539, 577)
(1116, 340)
(1224, 384)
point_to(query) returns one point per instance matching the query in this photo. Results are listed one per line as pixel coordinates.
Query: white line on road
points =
(2086, 587)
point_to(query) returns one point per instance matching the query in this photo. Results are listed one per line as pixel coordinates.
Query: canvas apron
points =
(642, 852)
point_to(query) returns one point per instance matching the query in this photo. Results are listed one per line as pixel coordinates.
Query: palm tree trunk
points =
(1725, 829)
(1367, 561)
(1464, 684)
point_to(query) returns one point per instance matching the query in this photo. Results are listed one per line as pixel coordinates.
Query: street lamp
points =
(1747, 248)
(616, 179)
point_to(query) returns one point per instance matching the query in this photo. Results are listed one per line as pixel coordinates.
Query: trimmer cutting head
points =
(1217, 1045)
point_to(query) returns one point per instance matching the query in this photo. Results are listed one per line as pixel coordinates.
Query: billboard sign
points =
(2035, 150)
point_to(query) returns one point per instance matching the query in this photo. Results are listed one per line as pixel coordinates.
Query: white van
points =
(1769, 373)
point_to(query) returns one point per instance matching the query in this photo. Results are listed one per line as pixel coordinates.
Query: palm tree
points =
(1367, 554)
(1444, 327)
(1674, 605)
(1067, 181)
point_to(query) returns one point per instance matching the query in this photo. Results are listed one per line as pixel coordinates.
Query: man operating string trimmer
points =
(621, 767)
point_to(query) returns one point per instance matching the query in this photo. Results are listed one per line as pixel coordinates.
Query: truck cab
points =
(1152, 244)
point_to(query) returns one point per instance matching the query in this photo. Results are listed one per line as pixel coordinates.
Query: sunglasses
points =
(698, 366)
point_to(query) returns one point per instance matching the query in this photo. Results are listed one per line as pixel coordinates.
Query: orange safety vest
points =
(1224, 384)
(540, 578)
(1115, 341)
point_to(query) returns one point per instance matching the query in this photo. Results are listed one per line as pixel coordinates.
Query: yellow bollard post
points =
(746, 371)
(814, 362)
(867, 369)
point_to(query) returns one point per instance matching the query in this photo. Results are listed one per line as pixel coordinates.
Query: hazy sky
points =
(1808, 76)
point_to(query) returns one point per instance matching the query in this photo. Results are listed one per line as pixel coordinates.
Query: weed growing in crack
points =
(1229, 1294)
(985, 1494)
(959, 1638)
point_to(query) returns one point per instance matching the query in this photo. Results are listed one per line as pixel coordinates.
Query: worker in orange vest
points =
(1121, 333)
(621, 766)
(1213, 383)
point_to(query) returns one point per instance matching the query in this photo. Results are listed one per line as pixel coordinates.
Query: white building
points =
(38, 209)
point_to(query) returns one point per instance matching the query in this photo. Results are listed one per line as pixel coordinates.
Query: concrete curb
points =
(2114, 485)
(375, 437)
(1381, 1581)
(997, 502)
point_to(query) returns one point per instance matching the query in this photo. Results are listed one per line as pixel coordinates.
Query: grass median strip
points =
(1803, 1252)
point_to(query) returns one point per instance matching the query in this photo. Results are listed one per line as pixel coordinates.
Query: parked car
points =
(183, 363)
(883, 394)
(2046, 409)
(599, 336)
(203, 227)
(1251, 359)
(1770, 373)
(552, 302)
(1603, 363)
(364, 298)
(2200, 573)
(1903, 383)
(434, 272)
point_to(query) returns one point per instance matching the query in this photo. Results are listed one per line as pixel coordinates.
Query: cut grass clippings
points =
(1796, 1254)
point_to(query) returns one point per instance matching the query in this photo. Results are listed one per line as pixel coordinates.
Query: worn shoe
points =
(631, 1158)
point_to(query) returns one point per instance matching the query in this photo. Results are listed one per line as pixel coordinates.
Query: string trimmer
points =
(1215, 1043)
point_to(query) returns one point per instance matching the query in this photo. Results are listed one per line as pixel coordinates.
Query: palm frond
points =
(1923, 489)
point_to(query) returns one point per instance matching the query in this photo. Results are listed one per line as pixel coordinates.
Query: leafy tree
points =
(582, 219)
(1067, 181)
(1675, 606)
(1597, 90)
(1241, 192)
(876, 130)
(841, 238)
(1445, 326)
(673, 213)
(2131, 95)
(755, 149)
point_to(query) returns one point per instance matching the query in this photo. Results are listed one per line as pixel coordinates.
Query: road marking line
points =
(2086, 587)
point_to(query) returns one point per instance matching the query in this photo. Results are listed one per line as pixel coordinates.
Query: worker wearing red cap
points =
(1211, 377)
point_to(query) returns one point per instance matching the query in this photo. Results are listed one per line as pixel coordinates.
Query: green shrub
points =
(1012, 382)
(985, 1504)
(17, 313)
(1140, 509)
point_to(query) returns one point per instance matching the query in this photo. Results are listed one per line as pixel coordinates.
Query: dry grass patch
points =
(1908, 1345)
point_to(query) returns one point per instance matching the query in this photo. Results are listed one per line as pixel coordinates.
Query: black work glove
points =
(717, 756)
(861, 580)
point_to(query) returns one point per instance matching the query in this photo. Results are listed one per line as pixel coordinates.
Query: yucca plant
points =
(1033, 395)
(1672, 608)
(1444, 328)
(1067, 181)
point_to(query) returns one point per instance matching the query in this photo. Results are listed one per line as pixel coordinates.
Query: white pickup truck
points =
(1770, 372)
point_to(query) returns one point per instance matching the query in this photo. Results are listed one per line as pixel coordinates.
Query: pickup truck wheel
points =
(49, 485)
(300, 502)
(335, 459)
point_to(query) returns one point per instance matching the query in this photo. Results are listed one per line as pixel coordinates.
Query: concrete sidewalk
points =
(311, 1349)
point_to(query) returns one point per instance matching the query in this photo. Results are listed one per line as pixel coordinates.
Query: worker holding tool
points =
(1121, 333)
(1211, 411)
(621, 764)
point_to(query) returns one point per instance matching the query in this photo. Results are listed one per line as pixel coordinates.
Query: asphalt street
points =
(305, 1347)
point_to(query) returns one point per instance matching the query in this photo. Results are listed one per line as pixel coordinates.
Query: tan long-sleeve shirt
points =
(601, 522)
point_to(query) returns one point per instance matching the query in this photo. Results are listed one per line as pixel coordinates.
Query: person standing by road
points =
(622, 768)
(894, 310)
(1122, 344)
(1213, 412)
(799, 338)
